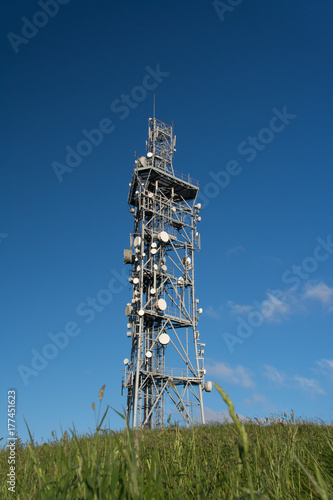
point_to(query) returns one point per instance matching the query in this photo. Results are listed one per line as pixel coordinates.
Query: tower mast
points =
(167, 356)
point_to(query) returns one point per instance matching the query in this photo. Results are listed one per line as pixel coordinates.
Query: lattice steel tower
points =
(167, 357)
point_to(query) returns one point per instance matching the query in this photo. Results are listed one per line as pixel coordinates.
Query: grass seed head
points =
(101, 393)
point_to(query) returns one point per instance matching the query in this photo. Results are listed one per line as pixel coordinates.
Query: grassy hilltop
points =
(283, 458)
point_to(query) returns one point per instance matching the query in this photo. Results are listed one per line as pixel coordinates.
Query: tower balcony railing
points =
(176, 373)
(187, 178)
(179, 175)
(164, 167)
(178, 314)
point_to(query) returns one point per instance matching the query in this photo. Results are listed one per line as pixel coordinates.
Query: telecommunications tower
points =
(167, 356)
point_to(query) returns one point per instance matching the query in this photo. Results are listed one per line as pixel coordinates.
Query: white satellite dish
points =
(148, 354)
(152, 291)
(163, 236)
(141, 312)
(135, 281)
(208, 386)
(150, 154)
(153, 251)
(186, 260)
(164, 339)
(137, 241)
(161, 304)
(126, 361)
(143, 161)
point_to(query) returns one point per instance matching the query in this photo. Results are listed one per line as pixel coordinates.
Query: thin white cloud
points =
(272, 309)
(238, 249)
(221, 416)
(256, 398)
(326, 367)
(212, 313)
(274, 375)
(320, 292)
(217, 416)
(239, 309)
(309, 385)
(280, 305)
(238, 375)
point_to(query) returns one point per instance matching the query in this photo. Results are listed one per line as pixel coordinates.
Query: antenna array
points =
(167, 356)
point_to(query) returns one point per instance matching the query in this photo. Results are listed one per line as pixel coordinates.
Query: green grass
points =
(283, 458)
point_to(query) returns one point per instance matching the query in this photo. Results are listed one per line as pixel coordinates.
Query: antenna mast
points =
(167, 356)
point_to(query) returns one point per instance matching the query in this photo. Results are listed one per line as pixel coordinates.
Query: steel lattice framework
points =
(167, 357)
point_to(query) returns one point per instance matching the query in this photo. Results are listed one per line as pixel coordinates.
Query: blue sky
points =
(250, 93)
